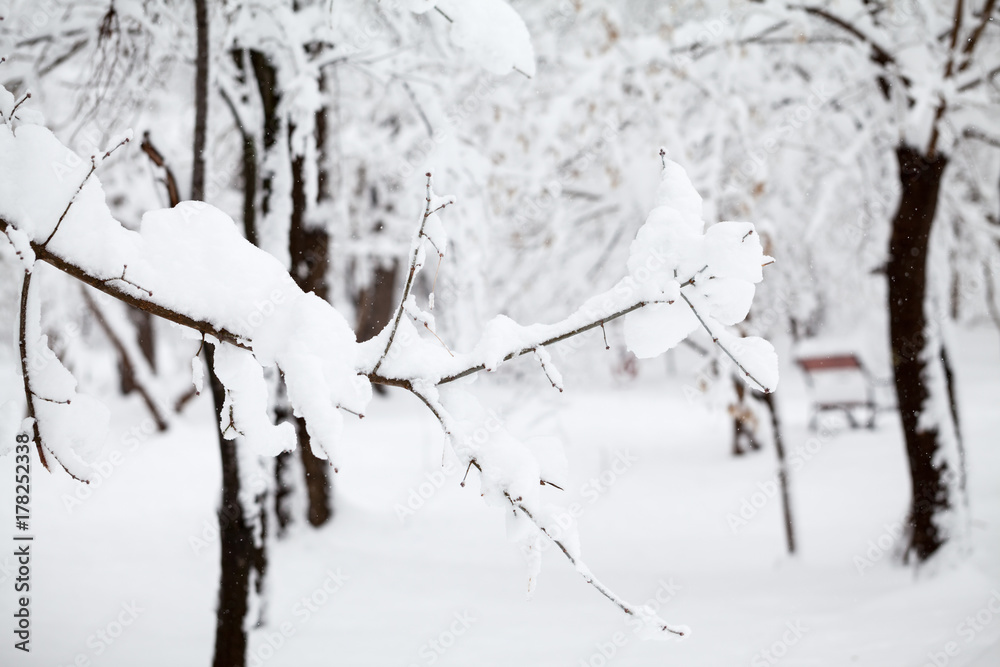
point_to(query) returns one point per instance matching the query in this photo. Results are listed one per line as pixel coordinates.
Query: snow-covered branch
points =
(190, 265)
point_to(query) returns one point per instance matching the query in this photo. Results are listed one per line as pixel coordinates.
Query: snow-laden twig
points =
(715, 339)
(29, 393)
(21, 101)
(145, 302)
(441, 414)
(549, 368)
(414, 267)
(571, 331)
(587, 575)
(94, 163)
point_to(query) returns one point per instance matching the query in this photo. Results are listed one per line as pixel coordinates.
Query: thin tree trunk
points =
(934, 467)
(779, 449)
(309, 246)
(242, 552)
(309, 251)
(200, 100)
(243, 557)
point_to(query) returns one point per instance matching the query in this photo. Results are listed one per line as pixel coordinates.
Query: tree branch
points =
(29, 394)
(22, 339)
(549, 341)
(130, 362)
(173, 193)
(147, 304)
(715, 339)
(93, 168)
(584, 570)
(414, 254)
(879, 55)
(977, 32)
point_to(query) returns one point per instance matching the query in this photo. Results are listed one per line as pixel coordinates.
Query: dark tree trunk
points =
(779, 449)
(284, 484)
(143, 322)
(242, 555)
(309, 250)
(377, 302)
(931, 467)
(267, 87)
(200, 100)
(309, 247)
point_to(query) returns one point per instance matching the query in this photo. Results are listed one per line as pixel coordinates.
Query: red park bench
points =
(841, 383)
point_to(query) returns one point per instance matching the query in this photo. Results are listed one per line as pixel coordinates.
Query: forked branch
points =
(411, 274)
(29, 394)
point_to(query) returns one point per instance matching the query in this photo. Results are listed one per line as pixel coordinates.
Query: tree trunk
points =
(376, 302)
(779, 449)
(242, 547)
(309, 246)
(309, 251)
(243, 556)
(923, 381)
(200, 100)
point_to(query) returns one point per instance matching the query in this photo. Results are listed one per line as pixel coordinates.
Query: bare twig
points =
(29, 394)
(21, 101)
(93, 168)
(173, 193)
(549, 341)
(414, 254)
(129, 361)
(582, 569)
(22, 337)
(715, 339)
(544, 360)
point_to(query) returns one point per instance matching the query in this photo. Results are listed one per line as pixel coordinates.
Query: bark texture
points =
(913, 349)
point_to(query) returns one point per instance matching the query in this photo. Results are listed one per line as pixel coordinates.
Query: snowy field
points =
(128, 575)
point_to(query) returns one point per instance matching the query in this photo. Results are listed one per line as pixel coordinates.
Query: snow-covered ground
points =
(127, 576)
